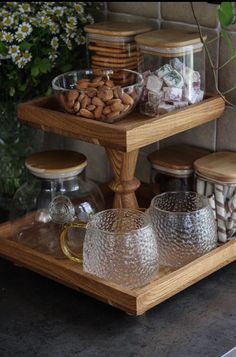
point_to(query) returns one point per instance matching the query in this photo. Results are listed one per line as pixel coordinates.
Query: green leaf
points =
(228, 41)
(3, 49)
(45, 65)
(35, 71)
(225, 13)
(25, 45)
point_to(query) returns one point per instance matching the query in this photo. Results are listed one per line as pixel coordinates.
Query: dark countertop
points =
(39, 317)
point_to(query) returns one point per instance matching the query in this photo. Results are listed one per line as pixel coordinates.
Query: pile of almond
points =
(98, 99)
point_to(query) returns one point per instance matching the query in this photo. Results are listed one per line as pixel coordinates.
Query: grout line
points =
(159, 11)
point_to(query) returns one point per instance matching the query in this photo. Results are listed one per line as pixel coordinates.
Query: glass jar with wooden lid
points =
(172, 167)
(216, 179)
(173, 64)
(56, 193)
(111, 45)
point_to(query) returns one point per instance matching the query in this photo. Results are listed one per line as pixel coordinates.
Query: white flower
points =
(14, 50)
(53, 56)
(23, 31)
(25, 28)
(79, 8)
(25, 7)
(7, 36)
(54, 43)
(27, 56)
(59, 11)
(7, 21)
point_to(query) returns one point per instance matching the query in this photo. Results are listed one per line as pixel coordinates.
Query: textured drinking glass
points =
(185, 226)
(120, 246)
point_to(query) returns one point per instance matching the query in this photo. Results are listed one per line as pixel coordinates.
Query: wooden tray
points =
(131, 133)
(136, 301)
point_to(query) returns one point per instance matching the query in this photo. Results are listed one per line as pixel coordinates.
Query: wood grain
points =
(218, 166)
(131, 133)
(134, 301)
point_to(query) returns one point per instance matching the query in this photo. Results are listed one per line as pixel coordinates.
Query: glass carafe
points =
(56, 192)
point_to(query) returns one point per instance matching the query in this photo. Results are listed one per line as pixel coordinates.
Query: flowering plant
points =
(38, 39)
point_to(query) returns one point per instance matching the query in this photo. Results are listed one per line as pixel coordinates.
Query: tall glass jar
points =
(174, 70)
(111, 44)
(56, 192)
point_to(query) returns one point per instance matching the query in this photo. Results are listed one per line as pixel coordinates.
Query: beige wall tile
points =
(149, 9)
(213, 48)
(202, 136)
(98, 168)
(143, 168)
(227, 75)
(182, 12)
(113, 16)
(226, 131)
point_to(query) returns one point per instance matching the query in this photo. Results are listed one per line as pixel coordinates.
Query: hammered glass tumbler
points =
(185, 227)
(120, 246)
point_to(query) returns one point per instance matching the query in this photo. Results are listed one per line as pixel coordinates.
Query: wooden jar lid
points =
(176, 159)
(168, 38)
(219, 166)
(56, 163)
(112, 28)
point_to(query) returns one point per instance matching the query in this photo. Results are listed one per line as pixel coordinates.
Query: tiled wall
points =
(216, 135)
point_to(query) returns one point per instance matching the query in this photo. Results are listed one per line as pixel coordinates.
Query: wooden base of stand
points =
(167, 283)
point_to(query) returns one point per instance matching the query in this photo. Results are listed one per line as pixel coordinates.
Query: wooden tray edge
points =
(136, 301)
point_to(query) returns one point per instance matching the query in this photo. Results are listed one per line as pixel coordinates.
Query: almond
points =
(96, 84)
(126, 99)
(77, 106)
(98, 102)
(105, 94)
(109, 83)
(106, 110)
(91, 107)
(86, 113)
(117, 107)
(91, 92)
(84, 102)
(82, 83)
(98, 112)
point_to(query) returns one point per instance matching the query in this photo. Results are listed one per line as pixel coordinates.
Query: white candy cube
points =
(190, 76)
(161, 72)
(165, 108)
(154, 83)
(180, 104)
(172, 94)
(174, 79)
(154, 98)
(177, 64)
(193, 95)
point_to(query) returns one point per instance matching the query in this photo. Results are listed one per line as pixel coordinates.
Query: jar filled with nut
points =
(98, 94)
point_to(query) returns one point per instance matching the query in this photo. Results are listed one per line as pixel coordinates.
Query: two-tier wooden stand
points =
(122, 142)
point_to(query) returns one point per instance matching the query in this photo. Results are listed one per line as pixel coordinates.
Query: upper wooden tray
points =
(134, 301)
(133, 132)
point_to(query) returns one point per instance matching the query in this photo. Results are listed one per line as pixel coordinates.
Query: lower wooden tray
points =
(134, 301)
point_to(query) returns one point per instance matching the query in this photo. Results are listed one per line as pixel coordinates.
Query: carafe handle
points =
(63, 241)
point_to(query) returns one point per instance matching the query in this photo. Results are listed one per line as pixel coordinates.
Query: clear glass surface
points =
(41, 207)
(120, 246)
(185, 226)
(124, 91)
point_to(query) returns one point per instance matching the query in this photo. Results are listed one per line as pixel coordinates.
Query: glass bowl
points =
(106, 95)
(185, 226)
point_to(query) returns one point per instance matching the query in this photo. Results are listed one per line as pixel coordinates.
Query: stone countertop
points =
(39, 317)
